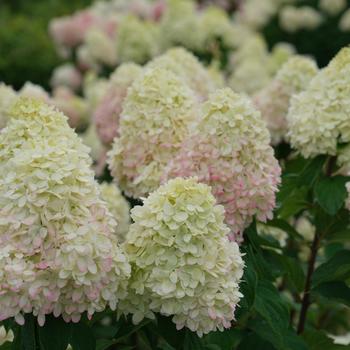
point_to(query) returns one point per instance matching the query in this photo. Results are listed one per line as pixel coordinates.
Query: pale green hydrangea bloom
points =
(137, 40)
(185, 65)
(318, 117)
(6, 336)
(118, 206)
(182, 262)
(332, 7)
(58, 252)
(273, 101)
(157, 113)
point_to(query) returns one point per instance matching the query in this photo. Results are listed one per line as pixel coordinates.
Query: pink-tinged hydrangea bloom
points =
(318, 118)
(119, 208)
(8, 97)
(185, 65)
(66, 75)
(58, 251)
(230, 150)
(157, 112)
(70, 31)
(107, 113)
(182, 263)
(73, 106)
(273, 101)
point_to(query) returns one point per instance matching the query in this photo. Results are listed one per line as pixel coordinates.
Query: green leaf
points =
(330, 193)
(293, 271)
(28, 333)
(127, 329)
(226, 340)
(192, 341)
(82, 337)
(317, 340)
(103, 344)
(294, 203)
(337, 291)
(337, 268)
(55, 334)
(166, 329)
(254, 342)
(311, 171)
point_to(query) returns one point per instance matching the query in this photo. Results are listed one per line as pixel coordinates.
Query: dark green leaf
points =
(253, 342)
(311, 171)
(82, 337)
(166, 329)
(127, 329)
(192, 341)
(296, 202)
(337, 291)
(55, 334)
(226, 340)
(103, 344)
(28, 333)
(330, 193)
(335, 269)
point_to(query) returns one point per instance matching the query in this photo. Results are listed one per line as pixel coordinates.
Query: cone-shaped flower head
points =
(273, 101)
(58, 250)
(185, 65)
(182, 263)
(119, 208)
(229, 150)
(318, 118)
(108, 111)
(8, 97)
(157, 112)
(137, 40)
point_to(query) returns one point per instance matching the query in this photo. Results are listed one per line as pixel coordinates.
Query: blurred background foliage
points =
(26, 50)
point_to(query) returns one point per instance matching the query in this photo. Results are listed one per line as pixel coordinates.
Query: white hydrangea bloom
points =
(182, 263)
(6, 336)
(304, 226)
(273, 101)
(91, 139)
(118, 207)
(8, 97)
(292, 18)
(95, 89)
(332, 7)
(344, 23)
(250, 66)
(179, 24)
(318, 118)
(157, 113)
(280, 54)
(137, 40)
(58, 252)
(186, 66)
(256, 13)
(35, 91)
(66, 75)
(214, 24)
(101, 47)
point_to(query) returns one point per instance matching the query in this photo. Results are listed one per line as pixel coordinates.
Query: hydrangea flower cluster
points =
(100, 47)
(344, 23)
(157, 113)
(333, 7)
(318, 118)
(273, 100)
(118, 206)
(293, 19)
(182, 263)
(58, 251)
(185, 65)
(229, 150)
(107, 113)
(137, 41)
(73, 106)
(250, 62)
(8, 97)
(66, 75)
